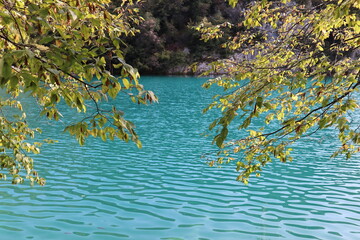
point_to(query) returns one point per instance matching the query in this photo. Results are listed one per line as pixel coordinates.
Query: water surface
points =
(112, 190)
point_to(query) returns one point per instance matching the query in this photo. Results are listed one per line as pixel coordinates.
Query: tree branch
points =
(312, 111)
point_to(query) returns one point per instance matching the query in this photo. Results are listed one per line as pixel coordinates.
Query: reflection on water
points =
(113, 190)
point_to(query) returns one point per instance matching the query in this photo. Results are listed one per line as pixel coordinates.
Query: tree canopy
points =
(63, 52)
(167, 44)
(296, 66)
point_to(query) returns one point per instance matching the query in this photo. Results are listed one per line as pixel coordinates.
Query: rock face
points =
(190, 70)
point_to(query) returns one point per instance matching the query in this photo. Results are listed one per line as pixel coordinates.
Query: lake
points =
(112, 190)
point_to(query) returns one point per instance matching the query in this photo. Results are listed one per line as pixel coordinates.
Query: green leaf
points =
(221, 137)
(46, 40)
(259, 101)
(126, 83)
(6, 70)
(213, 124)
(233, 3)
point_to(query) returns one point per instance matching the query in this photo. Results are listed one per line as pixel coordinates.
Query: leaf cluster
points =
(64, 52)
(295, 67)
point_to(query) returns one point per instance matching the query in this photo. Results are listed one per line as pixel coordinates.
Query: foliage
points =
(294, 66)
(63, 52)
(166, 40)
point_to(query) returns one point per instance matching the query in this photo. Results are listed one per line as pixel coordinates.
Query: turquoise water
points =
(112, 190)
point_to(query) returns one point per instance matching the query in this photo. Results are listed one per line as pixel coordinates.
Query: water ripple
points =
(164, 191)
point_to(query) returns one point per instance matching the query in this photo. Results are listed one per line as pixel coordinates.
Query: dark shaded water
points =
(113, 190)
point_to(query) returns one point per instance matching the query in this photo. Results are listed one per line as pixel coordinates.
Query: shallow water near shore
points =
(113, 190)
